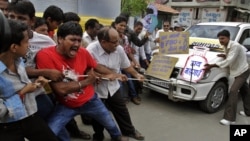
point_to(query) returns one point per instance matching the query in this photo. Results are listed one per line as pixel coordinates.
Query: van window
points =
(211, 31)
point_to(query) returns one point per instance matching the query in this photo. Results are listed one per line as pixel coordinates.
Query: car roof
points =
(225, 23)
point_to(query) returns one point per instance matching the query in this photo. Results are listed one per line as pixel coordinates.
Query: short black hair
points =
(71, 16)
(120, 19)
(17, 28)
(54, 12)
(224, 33)
(39, 21)
(23, 7)
(138, 23)
(69, 28)
(91, 23)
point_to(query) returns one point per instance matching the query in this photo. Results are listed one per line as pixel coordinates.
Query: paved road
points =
(160, 119)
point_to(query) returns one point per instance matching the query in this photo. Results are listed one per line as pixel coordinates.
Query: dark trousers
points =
(46, 104)
(231, 105)
(117, 106)
(33, 128)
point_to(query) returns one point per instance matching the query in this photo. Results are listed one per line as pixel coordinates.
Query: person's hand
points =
(207, 67)
(146, 35)
(122, 77)
(140, 77)
(137, 66)
(28, 88)
(115, 76)
(41, 81)
(146, 62)
(132, 50)
(222, 55)
(91, 76)
(55, 75)
(157, 40)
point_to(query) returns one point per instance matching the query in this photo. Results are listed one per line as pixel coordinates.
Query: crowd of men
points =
(48, 77)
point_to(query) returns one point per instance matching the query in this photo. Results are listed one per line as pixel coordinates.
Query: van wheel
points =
(215, 99)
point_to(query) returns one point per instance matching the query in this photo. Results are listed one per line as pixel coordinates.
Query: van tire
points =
(215, 99)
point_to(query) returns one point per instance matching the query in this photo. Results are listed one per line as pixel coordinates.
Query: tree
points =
(134, 7)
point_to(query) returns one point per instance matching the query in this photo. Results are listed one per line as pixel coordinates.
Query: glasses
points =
(165, 25)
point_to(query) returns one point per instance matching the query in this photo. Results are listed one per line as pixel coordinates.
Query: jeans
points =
(45, 106)
(131, 86)
(93, 108)
(118, 107)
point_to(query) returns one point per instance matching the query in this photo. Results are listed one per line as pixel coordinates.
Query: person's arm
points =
(134, 73)
(230, 57)
(105, 72)
(64, 88)
(209, 66)
(50, 74)
(136, 40)
(157, 37)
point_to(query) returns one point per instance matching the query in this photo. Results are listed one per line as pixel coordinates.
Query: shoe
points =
(86, 119)
(126, 100)
(82, 135)
(135, 101)
(139, 98)
(243, 114)
(137, 135)
(120, 138)
(226, 122)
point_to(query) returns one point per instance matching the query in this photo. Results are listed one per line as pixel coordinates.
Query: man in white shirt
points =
(166, 28)
(108, 52)
(91, 28)
(235, 59)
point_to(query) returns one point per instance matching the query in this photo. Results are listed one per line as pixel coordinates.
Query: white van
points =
(211, 91)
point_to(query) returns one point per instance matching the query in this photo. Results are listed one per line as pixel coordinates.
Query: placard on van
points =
(174, 43)
(161, 66)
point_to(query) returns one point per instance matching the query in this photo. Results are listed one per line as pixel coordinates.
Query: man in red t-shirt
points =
(76, 92)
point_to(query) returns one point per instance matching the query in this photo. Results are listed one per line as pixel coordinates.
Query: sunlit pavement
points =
(160, 119)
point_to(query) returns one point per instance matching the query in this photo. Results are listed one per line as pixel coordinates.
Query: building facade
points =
(196, 11)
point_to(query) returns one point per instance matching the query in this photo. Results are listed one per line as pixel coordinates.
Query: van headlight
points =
(206, 74)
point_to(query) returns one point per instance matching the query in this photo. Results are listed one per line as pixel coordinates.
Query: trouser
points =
(45, 105)
(142, 62)
(33, 128)
(231, 105)
(117, 106)
(93, 108)
(131, 86)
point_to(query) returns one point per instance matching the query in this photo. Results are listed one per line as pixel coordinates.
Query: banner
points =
(193, 70)
(174, 43)
(162, 66)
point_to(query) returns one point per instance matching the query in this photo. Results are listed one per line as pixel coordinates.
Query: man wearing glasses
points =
(166, 28)
(107, 52)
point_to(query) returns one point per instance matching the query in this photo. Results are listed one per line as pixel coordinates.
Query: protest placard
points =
(161, 66)
(174, 43)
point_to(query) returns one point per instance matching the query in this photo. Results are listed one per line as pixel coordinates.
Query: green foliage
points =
(134, 7)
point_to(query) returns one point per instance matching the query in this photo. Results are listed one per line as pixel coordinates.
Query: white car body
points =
(213, 88)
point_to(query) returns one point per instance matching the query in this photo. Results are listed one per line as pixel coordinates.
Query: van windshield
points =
(211, 31)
